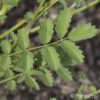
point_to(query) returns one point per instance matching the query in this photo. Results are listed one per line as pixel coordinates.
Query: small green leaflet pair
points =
(80, 32)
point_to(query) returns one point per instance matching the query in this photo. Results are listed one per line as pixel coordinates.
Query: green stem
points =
(16, 76)
(52, 2)
(92, 94)
(3, 11)
(38, 47)
(24, 21)
(8, 79)
(86, 6)
(35, 29)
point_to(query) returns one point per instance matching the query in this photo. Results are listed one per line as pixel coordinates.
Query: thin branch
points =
(35, 29)
(52, 2)
(38, 47)
(8, 79)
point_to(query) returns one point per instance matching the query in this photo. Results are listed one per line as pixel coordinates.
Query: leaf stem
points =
(38, 47)
(35, 29)
(86, 6)
(52, 2)
(8, 79)
(92, 94)
(34, 48)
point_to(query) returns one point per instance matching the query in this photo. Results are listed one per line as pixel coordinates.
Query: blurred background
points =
(91, 47)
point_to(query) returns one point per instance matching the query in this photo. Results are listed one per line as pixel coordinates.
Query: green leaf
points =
(63, 2)
(51, 57)
(53, 99)
(82, 75)
(64, 73)
(79, 96)
(31, 82)
(18, 62)
(11, 85)
(82, 32)
(78, 2)
(2, 17)
(9, 73)
(2, 73)
(41, 2)
(46, 31)
(72, 50)
(27, 60)
(23, 40)
(63, 21)
(11, 3)
(5, 46)
(21, 78)
(29, 16)
(5, 62)
(47, 77)
(66, 60)
(92, 89)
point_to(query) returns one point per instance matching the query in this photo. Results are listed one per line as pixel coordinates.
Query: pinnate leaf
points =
(82, 32)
